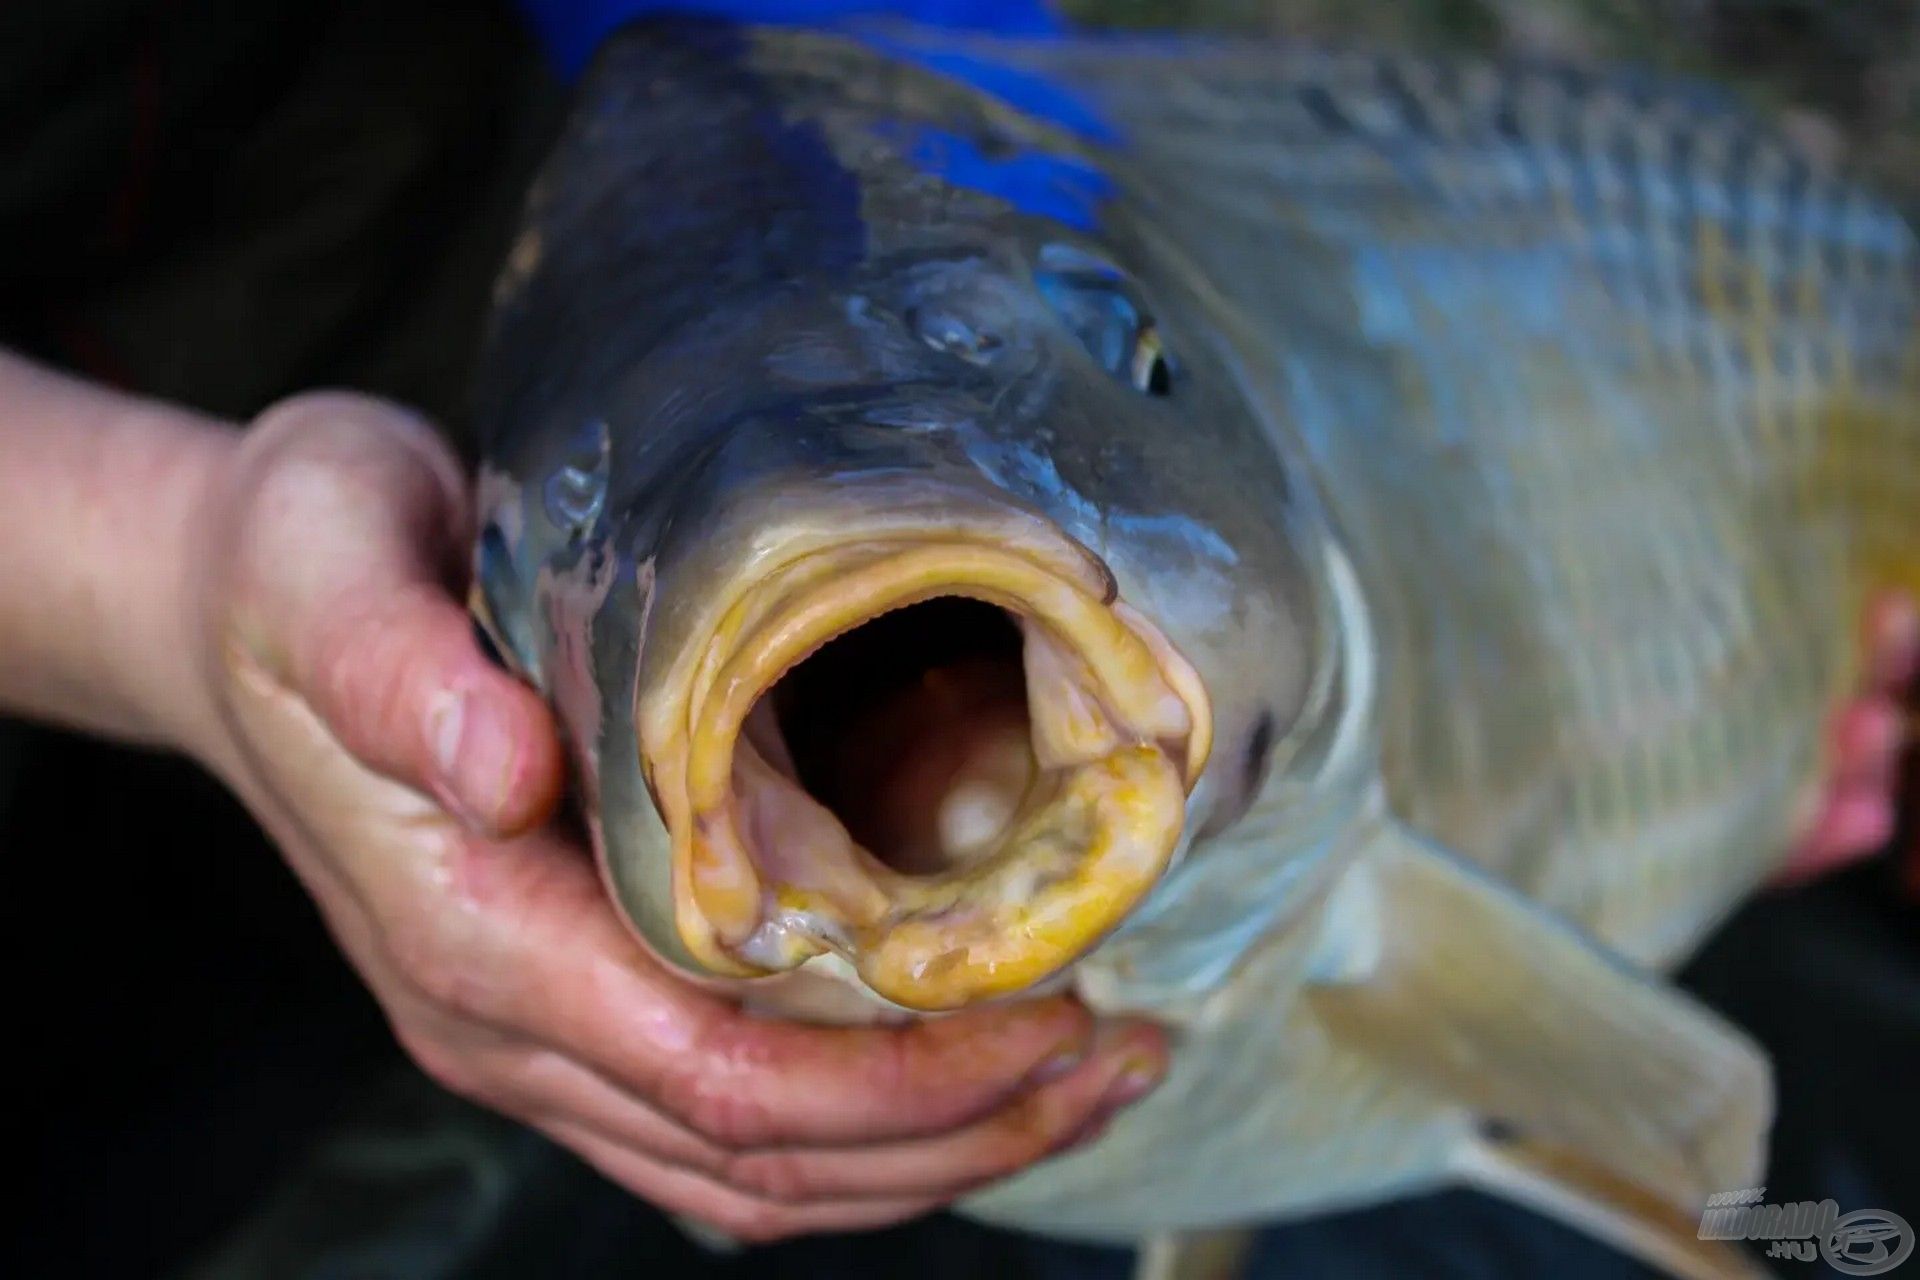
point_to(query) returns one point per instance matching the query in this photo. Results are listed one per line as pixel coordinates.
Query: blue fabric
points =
(571, 30)
(1046, 186)
(1049, 186)
(1026, 91)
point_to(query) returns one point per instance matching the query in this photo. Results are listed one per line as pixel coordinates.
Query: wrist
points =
(100, 499)
(163, 671)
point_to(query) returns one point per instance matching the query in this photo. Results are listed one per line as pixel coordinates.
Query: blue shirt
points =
(571, 29)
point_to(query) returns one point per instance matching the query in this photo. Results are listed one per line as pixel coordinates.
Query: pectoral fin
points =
(1562, 1185)
(1472, 989)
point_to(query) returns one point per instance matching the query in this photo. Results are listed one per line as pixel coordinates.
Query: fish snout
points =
(929, 739)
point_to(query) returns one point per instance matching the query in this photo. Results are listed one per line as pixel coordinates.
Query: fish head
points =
(957, 590)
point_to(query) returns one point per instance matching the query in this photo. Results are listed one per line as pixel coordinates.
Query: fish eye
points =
(1095, 305)
(1152, 373)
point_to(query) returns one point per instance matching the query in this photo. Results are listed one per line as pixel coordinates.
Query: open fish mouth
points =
(956, 763)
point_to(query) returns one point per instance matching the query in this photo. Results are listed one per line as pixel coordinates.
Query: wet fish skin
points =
(1614, 392)
(1472, 537)
(733, 318)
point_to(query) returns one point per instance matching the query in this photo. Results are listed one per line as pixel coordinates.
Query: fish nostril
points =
(945, 331)
(577, 490)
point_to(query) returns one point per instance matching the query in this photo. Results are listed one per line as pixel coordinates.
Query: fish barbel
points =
(1346, 555)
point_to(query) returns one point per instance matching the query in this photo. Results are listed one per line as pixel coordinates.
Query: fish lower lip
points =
(1057, 798)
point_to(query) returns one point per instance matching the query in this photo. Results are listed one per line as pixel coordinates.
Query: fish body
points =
(1421, 505)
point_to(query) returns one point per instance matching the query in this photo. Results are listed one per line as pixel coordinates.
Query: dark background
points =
(224, 204)
(186, 1037)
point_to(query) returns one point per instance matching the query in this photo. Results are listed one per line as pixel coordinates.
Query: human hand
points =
(409, 782)
(1854, 815)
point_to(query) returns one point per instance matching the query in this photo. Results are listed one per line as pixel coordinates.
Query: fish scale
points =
(1610, 400)
(1684, 452)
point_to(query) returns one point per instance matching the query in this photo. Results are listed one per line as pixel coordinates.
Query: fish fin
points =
(1211, 1254)
(1507, 1010)
(1558, 1184)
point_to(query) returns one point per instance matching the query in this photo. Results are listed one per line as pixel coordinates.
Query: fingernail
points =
(1140, 1074)
(445, 719)
(1894, 635)
(474, 755)
(1900, 623)
(1870, 734)
(1059, 1066)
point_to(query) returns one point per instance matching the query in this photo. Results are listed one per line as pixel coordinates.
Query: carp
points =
(1346, 555)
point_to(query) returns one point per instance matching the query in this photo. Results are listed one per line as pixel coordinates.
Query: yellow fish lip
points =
(765, 878)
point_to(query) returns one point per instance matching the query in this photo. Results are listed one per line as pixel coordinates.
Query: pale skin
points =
(283, 604)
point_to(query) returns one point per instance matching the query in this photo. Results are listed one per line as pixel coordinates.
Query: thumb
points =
(347, 551)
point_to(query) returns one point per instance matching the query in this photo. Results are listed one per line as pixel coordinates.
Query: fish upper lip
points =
(942, 941)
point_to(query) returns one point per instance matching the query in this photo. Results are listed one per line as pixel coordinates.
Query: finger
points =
(542, 953)
(1131, 1060)
(1040, 1123)
(748, 1218)
(1852, 823)
(1893, 642)
(1854, 815)
(743, 1081)
(1866, 737)
(355, 520)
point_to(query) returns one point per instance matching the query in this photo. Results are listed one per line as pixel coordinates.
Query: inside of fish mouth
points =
(954, 763)
(912, 730)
